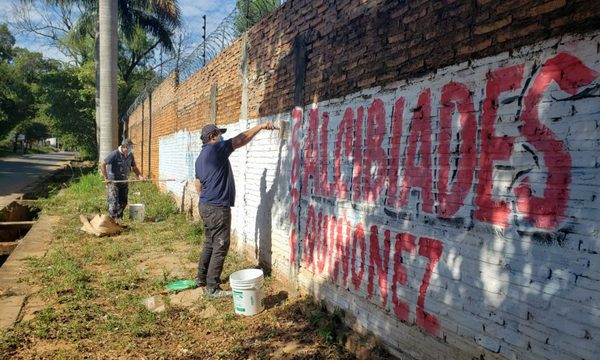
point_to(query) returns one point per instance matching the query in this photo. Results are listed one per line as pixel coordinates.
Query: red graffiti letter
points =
(451, 201)
(494, 147)
(295, 194)
(431, 249)
(395, 153)
(309, 238)
(418, 165)
(358, 239)
(311, 155)
(377, 263)
(374, 154)
(547, 210)
(324, 185)
(345, 131)
(342, 250)
(358, 151)
(404, 242)
(322, 242)
(331, 245)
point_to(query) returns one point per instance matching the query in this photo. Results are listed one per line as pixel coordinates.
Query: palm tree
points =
(157, 18)
(107, 120)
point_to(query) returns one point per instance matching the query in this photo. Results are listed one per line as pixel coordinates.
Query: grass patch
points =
(94, 290)
(329, 326)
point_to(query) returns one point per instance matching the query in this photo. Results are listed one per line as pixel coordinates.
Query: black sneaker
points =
(217, 293)
(200, 283)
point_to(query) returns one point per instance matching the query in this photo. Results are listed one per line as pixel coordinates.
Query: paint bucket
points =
(246, 286)
(136, 212)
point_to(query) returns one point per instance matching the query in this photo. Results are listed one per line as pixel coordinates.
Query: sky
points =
(191, 10)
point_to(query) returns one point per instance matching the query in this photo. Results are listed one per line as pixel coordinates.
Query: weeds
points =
(94, 287)
(329, 326)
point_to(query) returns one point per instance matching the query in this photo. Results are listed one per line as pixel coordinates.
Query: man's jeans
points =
(217, 225)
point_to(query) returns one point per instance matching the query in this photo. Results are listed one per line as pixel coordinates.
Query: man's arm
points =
(138, 173)
(243, 138)
(198, 186)
(103, 171)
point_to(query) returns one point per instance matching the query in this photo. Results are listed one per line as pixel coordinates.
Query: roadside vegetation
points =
(6, 149)
(92, 291)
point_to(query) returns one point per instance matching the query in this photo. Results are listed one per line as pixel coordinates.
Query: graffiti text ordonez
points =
(381, 168)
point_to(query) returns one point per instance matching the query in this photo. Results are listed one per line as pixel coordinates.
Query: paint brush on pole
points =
(281, 126)
(136, 180)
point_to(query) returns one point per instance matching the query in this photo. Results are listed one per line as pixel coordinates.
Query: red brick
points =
(544, 8)
(486, 28)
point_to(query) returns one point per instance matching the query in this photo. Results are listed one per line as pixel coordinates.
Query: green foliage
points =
(34, 89)
(16, 99)
(33, 130)
(252, 11)
(330, 326)
(69, 96)
(21, 72)
(7, 41)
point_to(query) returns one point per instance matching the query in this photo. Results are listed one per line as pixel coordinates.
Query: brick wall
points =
(438, 178)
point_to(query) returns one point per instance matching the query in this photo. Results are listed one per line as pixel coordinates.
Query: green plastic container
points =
(179, 285)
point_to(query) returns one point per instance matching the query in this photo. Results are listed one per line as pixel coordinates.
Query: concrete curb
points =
(13, 294)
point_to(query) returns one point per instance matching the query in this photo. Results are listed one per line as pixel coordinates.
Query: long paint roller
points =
(281, 126)
(145, 180)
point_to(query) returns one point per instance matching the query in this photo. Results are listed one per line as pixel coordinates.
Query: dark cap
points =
(127, 142)
(209, 130)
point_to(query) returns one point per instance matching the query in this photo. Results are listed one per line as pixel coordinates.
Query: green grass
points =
(94, 290)
(95, 281)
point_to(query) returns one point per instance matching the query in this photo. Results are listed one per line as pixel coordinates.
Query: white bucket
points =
(136, 212)
(246, 286)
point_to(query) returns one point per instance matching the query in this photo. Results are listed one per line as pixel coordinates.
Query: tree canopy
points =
(64, 94)
(252, 11)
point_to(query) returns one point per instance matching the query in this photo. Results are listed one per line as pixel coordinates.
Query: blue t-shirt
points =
(118, 165)
(214, 172)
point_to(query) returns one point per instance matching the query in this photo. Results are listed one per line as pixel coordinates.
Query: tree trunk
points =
(107, 11)
(97, 85)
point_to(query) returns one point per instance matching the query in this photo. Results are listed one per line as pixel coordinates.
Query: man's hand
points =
(243, 138)
(268, 126)
(141, 178)
(103, 173)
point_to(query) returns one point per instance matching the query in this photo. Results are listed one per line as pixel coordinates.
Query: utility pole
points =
(247, 14)
(204, 39)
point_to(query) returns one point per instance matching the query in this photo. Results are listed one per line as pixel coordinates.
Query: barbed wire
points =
(220, 39)
(217, 41)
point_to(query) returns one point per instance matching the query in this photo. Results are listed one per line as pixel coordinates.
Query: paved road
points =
(18, 172)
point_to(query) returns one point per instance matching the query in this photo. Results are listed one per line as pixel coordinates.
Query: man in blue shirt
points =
(216, 188)
(116, 166)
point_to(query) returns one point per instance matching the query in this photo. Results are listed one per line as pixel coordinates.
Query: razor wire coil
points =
(216, 42)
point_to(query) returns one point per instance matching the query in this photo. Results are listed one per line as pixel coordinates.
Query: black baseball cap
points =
(209, 130)
(127, 142)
